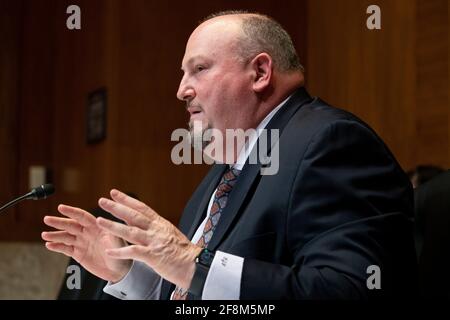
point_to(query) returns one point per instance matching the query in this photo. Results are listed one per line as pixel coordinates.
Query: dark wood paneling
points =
(10, 35)
(432, 97)
(396, 78)
(134, 49)
(35, 112)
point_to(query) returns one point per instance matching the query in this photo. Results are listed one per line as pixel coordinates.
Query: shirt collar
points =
(245, 151)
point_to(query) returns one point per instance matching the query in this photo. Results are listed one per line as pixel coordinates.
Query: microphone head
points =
(42, 192)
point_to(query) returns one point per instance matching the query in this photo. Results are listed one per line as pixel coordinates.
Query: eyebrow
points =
(190, 61)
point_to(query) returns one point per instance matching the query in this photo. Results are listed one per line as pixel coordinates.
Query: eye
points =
(199, 68)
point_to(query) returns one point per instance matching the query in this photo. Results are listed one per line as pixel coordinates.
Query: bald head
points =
(259, 33)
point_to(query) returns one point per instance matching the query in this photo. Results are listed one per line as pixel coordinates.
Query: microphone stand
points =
(13, 202)
(41, 192)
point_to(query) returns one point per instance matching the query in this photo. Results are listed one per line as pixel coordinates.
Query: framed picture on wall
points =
(96, 116)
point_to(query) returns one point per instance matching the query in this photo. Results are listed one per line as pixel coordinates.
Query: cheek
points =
(213, 102)
(223, 100)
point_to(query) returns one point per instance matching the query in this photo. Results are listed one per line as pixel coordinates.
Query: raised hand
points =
(81, 238)
(153, 239)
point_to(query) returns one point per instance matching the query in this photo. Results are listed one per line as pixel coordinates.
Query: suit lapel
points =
(251, 172)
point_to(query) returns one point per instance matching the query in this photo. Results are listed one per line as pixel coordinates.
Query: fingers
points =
(59, 236)
(82, 217)
(132, 203)
(125, 213)
(63, 224)
(128, 233)
(60, 248)
(134, 252)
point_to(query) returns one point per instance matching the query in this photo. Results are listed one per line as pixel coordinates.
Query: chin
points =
(196, 134)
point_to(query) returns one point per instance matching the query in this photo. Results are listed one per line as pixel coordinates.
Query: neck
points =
(283, 85)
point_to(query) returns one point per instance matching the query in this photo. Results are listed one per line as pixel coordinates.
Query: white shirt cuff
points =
(224, 278)
(140, 283)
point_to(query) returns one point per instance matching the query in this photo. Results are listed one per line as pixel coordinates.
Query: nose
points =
(185, 91)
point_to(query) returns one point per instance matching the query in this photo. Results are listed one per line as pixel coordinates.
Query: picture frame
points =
(96, 116)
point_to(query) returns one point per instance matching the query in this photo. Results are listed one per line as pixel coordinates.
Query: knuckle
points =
(148, 211)
(135, 250)
(134, 232)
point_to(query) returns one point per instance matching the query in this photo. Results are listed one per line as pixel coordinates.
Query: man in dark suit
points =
(330, 223)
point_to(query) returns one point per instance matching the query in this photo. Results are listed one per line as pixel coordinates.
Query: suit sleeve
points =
(346, 213)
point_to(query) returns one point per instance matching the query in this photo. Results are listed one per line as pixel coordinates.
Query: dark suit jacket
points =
(432, 226)
(336, 206)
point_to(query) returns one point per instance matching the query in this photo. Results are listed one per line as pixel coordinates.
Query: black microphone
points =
(41, 192)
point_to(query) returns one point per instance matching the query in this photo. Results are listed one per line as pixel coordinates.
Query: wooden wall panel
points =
(432, 96)
(10, 35)
(395, 79)
(81, 170)
(36, 106)
(368, 72)
(32, 69)
(134, 50)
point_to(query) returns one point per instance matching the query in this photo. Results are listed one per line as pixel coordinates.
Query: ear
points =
(262, 69)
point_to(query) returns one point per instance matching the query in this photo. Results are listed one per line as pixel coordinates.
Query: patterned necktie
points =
(219, 203)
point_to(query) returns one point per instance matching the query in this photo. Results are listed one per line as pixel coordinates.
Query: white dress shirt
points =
(224, 277)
